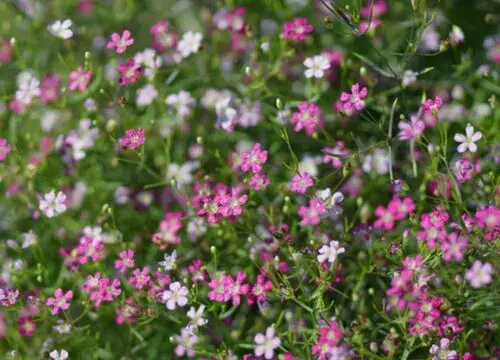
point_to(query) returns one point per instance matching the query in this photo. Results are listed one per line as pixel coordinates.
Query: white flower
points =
(29, 239)
(29, 88)
(468, 140)
(331, 201)
(52, 204)
(62, 327)
(169, 261)
(61, 29)
(150, 61)
(186, 342)
(182, 174)
(442, 352)
(182, 102)
(316, 66)
(266, 343)
(329, 252)
(175, 296)
(146, 95)
(196, 316)
(409, 77)
(190, 43)
(55, 355)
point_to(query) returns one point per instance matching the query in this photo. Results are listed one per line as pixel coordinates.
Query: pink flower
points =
(307, 118)
(133, 139)
(4, 149)
(89, 248)
(126, 261)
(60, 301)
(301, 182)
(252, 160)
(335, 154)
(168, 232)
(386, 218)
(26, 325)
(238, 288)
(164, 38)
(411, 130)
(453, 247)
(259, 290)
(221, 288)
(259, 181)
(127, 312)
(355, 98)
(50, 89)
(400, 208)
(129, 72)
(432, 106)
(140, 278)
(311, 214)
(79, 79)
(5, 51)
(297, 29)
(8, 296)
(120, 42)
(231, 203)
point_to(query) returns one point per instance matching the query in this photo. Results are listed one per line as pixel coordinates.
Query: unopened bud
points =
(279, 104)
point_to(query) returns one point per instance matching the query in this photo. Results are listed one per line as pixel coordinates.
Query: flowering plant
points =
(258, 179)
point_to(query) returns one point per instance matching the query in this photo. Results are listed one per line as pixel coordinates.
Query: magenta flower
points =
(301, 182)
(120, 42)
(140, 278)
(334, 155)
(221, 288)
(79, 79)
(239, 288)
(231, 203)
(60, 301)
(133, 139)
(129, 72)
(432, 106)
(307, 118)
(355, 98)
(126, 261)
(386, 218)
(252, 160)
(311, 214)
(8, 296)
(453, 247)
(4, 149)
(259, 181)
(297, 29)
(259, 290)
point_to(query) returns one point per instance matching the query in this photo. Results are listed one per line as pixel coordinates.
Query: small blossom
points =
(79, 79)
(355, 98)
(190, 43)
(52, 204)
(479, 274)
(266, 344)
(133, 139)
(297, 29)
(301, 182)
(432, 106)
(442, 351)
(252, 160)
(61, 29)
(56, 355)
(4, 149)
(120, 43)
(316, 66)
(468, 140)
(168, 262)
(60, 301)
(175, 296)
(328, 253)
